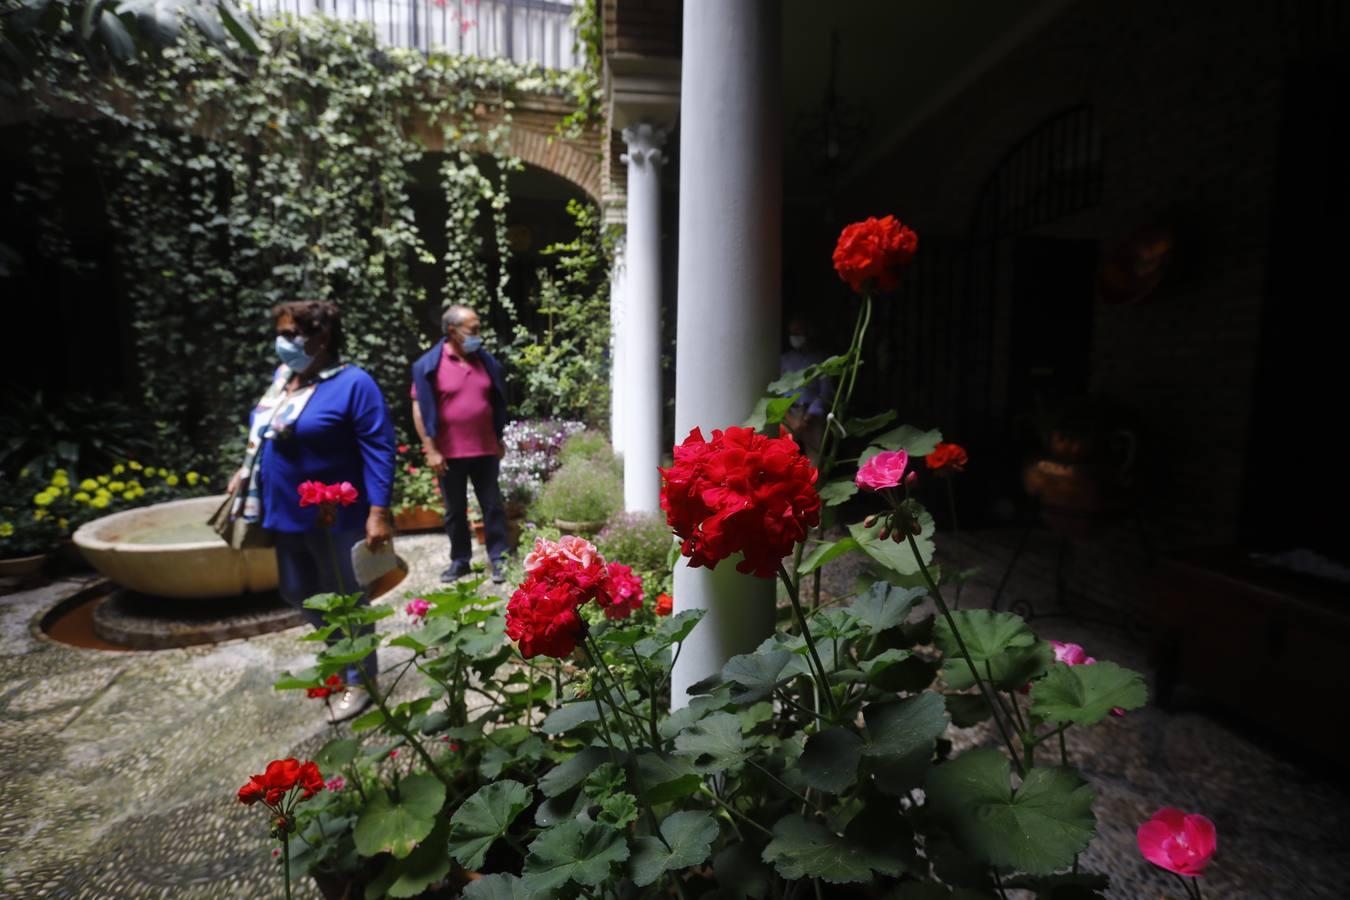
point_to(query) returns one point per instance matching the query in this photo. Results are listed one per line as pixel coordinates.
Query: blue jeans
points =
(305, 568)
(482, 470)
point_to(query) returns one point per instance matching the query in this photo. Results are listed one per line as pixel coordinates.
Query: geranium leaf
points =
(688, 842)
(823, 553)
(913, 441)
(483, 818)
(861, 427)
(336, 754)
(884, 605)
(1037, 828)
(618, 811)
(570, 773)
(665, 778)
(426, 864)
(905, 727)
(833, 493)
(830, 761)
(805, 849)
(967, 709)
(739, 871)
(768, 411)
(713, 744)
(394, 826)
(754, 676)
(569, 716)
(576, 851)
(1085, 695)
(497, 887)
(1000, 645)
(670, 631)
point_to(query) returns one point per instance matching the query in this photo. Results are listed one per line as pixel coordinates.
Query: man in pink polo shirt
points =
(459, 410)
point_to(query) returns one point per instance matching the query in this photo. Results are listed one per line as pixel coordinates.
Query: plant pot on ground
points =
(419, 518)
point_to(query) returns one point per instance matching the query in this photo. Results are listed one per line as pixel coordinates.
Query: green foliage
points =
(395, 824)
(686, 840)
(1086, 694)
(485, 817)
(586, 445)
(563, 369)
(581, 491)
(285, 178)
(573, 851)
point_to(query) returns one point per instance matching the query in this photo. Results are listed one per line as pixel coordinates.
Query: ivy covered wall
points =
(229, 185)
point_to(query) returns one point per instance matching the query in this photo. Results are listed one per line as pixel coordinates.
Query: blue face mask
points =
(472, 343)
(293, 355)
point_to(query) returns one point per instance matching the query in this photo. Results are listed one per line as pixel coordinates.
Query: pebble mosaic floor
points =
(118, 770)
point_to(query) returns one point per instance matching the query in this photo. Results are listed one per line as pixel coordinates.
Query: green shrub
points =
(640, 540)
(583, 490)
(588, 445)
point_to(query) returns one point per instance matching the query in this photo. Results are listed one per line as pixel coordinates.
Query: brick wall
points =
(642, 27)
(1187, 100)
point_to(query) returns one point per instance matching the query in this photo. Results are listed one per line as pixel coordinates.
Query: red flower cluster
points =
(542, 615)
(281, 777)
(331, 685)
(742, 493)
(665, 605)
(947, 458)
(316, 493)
(623, 593)
(873, 253)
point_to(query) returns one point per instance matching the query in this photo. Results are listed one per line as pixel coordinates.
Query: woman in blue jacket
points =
(321, 420)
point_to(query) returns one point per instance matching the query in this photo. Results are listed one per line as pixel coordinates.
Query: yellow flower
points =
(39, 514)
(118, 469)
(44, 499)
(102, 492)
(6, 529)
(193, 478)
(63, 524)
(117, 487)
(151, 471)
(81, 497)
(171, 481)
(89, 484)
(136, 485)
(60, 479)
(103, 479)
(135, 466)
(99, 502)
(129, 495)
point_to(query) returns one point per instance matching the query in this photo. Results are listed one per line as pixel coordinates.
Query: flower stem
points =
(651, 696)
(822, 677)
(736, 813)
(286, 862)
(985, 689)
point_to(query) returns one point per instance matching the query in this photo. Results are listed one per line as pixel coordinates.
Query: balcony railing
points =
(526, 31)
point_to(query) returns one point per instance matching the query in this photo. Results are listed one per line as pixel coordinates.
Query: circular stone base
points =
(154, 623)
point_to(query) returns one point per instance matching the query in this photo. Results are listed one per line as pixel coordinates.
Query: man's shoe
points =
(352, 702)
(456, 571)
(498, 573)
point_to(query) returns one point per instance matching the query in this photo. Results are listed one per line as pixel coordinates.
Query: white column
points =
(618, 392)
(640, 330)
(730, 248)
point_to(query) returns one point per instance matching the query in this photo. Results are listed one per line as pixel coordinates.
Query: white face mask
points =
(796, 341)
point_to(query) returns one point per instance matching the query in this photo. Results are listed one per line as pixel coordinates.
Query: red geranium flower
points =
(947, 458)
(402, 448)
(742, 493)
(664, 605)
(543, 619)
(873, 253)
(623, 592)
(313, 493)
(277, 782)
(331, 685)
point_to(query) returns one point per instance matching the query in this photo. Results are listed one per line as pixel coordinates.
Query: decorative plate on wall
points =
(1137, 268)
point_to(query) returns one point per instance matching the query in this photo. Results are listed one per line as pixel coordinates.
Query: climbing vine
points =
(234, 184)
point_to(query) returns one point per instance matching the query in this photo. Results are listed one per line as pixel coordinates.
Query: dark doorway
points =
(1297, 487)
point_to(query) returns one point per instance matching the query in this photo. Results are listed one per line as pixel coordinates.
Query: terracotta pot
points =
(1076, 498)
(515, 509)
(480, 532)
(581, 529)
(421, 518)
(23, 566)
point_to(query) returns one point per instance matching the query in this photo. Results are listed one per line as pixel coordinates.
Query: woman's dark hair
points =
(311, 316)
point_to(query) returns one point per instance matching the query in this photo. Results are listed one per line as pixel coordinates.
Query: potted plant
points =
(417, 494)
(533, 453)
(581, 496)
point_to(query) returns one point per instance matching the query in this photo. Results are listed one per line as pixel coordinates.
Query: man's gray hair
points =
(453, 316)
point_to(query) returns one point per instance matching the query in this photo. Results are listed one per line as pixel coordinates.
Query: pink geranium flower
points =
(1177, 841)
(1071, 654)
(336, 783)
(417, 608)
(883, 471)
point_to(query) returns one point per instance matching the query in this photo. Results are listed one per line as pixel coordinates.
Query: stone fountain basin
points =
(193, 569)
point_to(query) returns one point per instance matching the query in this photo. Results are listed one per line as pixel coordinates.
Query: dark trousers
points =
(482, 470)
(305, 568)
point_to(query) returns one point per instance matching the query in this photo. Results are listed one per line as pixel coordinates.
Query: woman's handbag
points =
(237, 531)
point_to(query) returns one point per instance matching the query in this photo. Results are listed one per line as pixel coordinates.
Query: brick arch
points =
(534, 139)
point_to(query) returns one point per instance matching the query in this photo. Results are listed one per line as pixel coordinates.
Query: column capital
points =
(644, 142)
